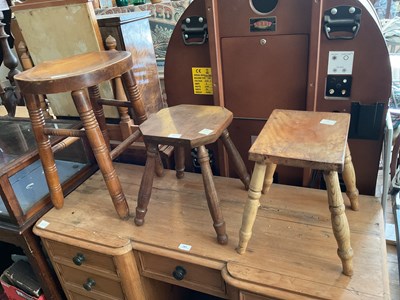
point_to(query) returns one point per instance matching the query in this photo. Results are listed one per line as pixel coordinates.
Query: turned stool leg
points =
(269, 177)
(211, 195)
(340, 226)
(237, 160)
(45, 152)
(94, 95)
(349, 178)
(133, 94)
(251, 207)
(146, 184)
(159, 168)
(100, 151)
(179, 155)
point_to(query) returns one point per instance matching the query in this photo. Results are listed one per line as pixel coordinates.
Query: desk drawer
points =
(251, 296)
(80, 257)
(182, 273)
(95, 284)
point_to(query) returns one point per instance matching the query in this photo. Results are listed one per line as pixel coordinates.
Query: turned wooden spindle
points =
(126, 121)
(9, 59)
(26, 62)
(126, 124)
(339, 221)
(10, 95)
(349, 178)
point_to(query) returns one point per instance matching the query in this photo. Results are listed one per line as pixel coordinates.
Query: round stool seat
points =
(74, 73)
(81, 75)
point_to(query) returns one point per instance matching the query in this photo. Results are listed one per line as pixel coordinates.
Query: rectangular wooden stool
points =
(316, 140)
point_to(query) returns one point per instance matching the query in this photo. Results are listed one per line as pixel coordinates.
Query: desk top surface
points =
(308, 139)
(292, 253)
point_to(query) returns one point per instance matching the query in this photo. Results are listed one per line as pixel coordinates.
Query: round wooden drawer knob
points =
(179, 273)
(78, 259)
(89, 284)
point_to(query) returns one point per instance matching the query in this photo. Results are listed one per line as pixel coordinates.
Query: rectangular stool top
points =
(307, 139)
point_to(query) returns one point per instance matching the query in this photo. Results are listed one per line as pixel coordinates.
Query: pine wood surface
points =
(292, 252)
(320, 145)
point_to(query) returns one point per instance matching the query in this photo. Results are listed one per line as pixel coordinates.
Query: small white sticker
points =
(175, 135)
(328, 122)
(206, 131)
(185, 247)
(340, 62)
(43, 224)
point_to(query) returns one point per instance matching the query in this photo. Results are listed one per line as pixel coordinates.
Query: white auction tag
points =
(185, 247)
(43, 224)
(206, 131)
(328, 122)
(175, 135)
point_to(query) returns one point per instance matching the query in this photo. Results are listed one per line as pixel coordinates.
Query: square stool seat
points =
(189, 126)
(315, 140)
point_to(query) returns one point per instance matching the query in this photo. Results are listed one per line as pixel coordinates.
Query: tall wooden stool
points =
(189, 126)
(81, 75)
(316, 140)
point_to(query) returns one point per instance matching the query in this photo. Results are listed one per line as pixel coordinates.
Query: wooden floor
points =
(393, 272)
(392, 260)
(392, 264)
(292, 239)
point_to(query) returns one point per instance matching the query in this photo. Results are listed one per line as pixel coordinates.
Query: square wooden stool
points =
(316, 140)
(189, 126)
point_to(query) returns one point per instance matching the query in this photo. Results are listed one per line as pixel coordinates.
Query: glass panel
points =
(29, 184)
(16, 139)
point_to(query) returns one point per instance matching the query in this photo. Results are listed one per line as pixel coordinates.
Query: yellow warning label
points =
(202, 81)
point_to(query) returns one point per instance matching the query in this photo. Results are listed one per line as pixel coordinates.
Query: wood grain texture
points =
(317, 146)
(340, 225)
(349, 178)
(100, 151)
(73, 73)
(188, 121)
(81, 75)
(309, 140)
(190, 126)
(44, 149)
(292, 254)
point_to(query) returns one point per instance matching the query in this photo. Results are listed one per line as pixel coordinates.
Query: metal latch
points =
(342, 22)
(194, 30)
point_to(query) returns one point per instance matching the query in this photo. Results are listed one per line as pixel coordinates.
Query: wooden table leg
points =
(237, 160)
(340, 225)
(146, 184)
(251, 206)
(100, 151)
(45, 152)
(47, 278)
(269, 177)
(211, 195)
(349, 178)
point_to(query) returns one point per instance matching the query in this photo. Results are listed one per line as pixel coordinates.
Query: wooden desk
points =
(292, 256)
